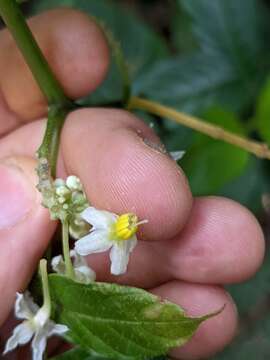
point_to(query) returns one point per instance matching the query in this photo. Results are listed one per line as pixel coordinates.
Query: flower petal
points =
(99, 219)
(56, 329)
(131, 243)
(58, 265)
(21, 335)
(25, 308)
(95, 242)
(39, 344)
(119, 256)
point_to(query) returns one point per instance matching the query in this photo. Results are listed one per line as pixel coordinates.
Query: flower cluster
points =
(65, 199)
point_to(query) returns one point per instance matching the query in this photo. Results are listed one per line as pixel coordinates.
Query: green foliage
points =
(119, 322)
(202, 161)
(229, 65)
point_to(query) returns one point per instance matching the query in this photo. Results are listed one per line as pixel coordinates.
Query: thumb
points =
(25, 228)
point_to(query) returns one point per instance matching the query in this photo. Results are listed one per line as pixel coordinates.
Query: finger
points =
(78, 57)
(199, 300)
(109, 150)
(25, 228)
(221, 243)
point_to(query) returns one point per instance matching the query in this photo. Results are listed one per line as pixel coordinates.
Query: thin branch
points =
(259, 149)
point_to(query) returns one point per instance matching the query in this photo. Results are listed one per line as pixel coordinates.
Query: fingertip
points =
(146, 181)
(222, 243)
(79, 56)
(122, 173)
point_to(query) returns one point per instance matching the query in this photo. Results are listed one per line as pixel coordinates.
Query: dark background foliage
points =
(210, 58)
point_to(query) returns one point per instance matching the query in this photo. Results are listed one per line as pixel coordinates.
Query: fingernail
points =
(174, 155)
(156, 146)
(16, 195)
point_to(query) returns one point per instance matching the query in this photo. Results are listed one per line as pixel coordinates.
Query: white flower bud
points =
(59, 182)
(73, 183)
(62, 191)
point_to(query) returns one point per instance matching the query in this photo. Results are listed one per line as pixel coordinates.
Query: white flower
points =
(110, 231)
(83, 273)
(37, 325)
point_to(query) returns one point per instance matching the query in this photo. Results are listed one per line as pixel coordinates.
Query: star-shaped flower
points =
(36, 325)
(83, 273)
(110, 231)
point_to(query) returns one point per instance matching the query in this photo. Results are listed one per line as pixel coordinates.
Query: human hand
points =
(189, 248)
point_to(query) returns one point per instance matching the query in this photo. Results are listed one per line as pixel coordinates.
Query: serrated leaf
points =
(228, 68)
(232, 32)
(119, 322)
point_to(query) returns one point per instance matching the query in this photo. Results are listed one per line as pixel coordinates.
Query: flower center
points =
(126, 226)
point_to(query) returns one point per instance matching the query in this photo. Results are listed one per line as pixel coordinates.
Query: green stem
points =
(14, 19)
(51, 140)
(65, 243)
(45, 286)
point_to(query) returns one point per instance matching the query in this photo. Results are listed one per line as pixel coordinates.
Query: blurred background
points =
(210, 58)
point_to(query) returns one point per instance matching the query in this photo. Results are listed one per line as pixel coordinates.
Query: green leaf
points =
(262, 114)
(210, 164)
(233, 33)
(141, 46)
(229, 66)
(119, 322)
(181, 25)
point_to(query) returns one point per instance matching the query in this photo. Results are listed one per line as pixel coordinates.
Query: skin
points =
(189, 249)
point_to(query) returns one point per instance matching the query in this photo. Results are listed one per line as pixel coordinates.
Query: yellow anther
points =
(126, 226)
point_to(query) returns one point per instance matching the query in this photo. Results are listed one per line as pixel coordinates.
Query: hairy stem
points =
(259, 149)
(51, 140)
